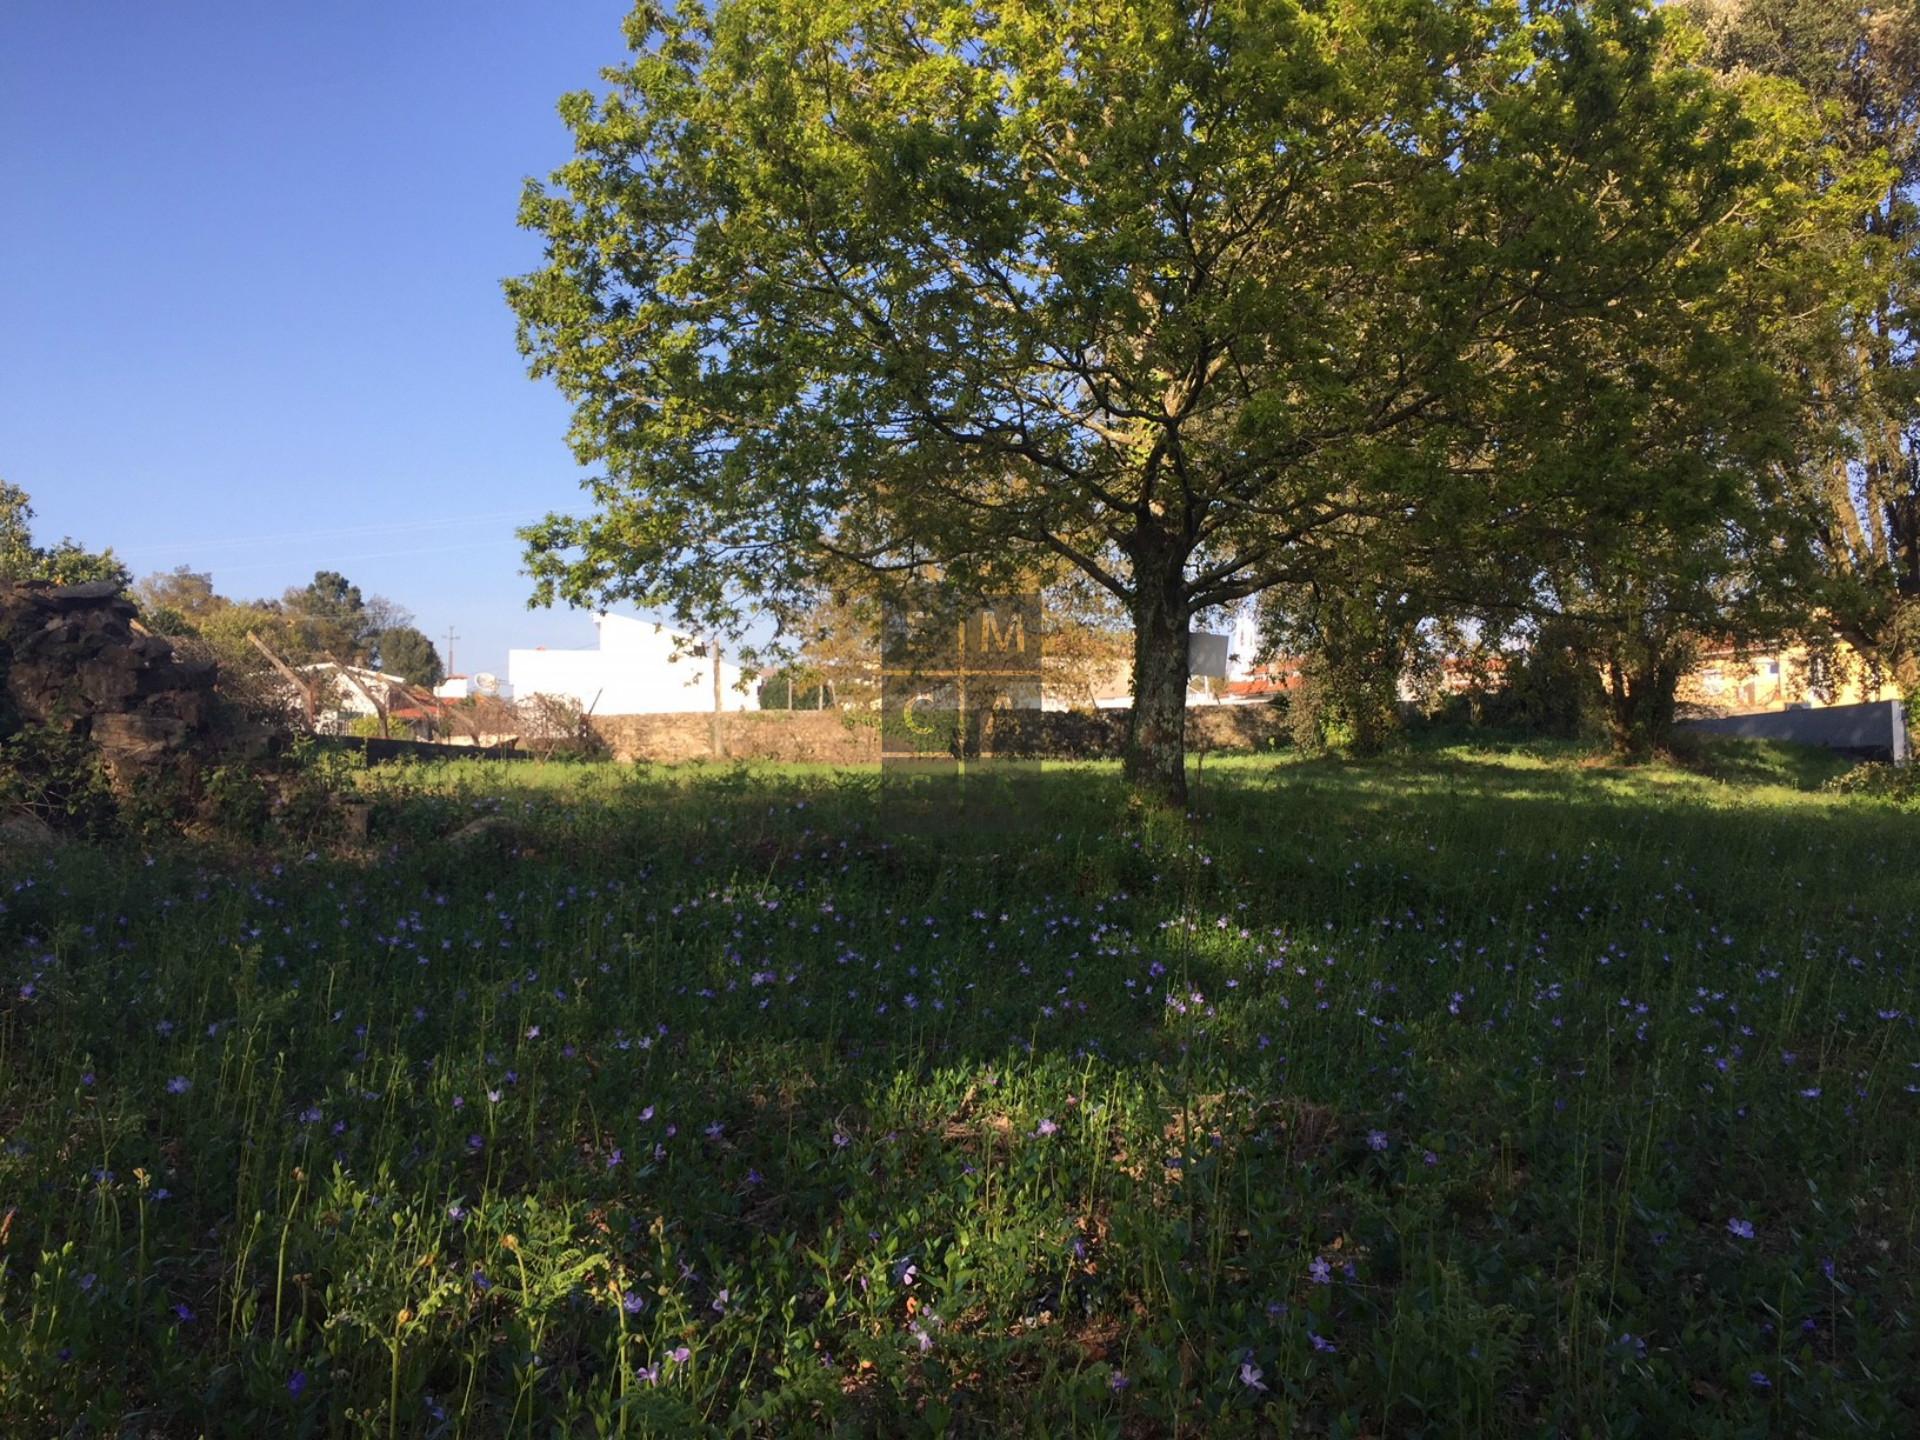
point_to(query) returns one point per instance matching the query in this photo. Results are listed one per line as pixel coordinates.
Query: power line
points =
(343, 533)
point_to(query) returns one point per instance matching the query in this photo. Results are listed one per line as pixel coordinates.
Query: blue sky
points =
(251, 317)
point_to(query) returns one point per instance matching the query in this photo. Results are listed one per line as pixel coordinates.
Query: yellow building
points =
(1728, 681)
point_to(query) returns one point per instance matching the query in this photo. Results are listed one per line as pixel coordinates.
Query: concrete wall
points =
(827, 737)
(1870, 732)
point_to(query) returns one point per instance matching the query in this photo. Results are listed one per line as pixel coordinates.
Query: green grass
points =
(1426, 1097)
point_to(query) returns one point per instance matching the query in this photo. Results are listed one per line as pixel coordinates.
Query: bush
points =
(1894, 784)
(56, 778)
(1347, 707)
(1551, 689)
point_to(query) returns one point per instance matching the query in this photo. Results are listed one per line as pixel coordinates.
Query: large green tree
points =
(1175, 293)
(1859, 61)
(1691, 523)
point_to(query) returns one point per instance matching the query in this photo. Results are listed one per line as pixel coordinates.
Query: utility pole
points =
(451, 637)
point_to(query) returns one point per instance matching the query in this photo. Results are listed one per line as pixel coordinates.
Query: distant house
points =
(1727, 681)
(639, 668)
(340, 695)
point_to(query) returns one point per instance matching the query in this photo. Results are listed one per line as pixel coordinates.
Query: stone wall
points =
(790, 735)
(73, 660)
(826, 737)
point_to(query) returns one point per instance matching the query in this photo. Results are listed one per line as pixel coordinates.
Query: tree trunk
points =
(1156, 755)
(1640, 706)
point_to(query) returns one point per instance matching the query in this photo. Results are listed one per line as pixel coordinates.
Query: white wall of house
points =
(635, 671)
(466, 687)
(1243, 645)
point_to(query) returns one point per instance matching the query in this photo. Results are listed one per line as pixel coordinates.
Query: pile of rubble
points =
(74, 658)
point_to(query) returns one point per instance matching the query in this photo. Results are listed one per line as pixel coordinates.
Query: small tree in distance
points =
(407, 652)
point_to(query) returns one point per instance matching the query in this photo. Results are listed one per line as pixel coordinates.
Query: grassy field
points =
(1472, 1092)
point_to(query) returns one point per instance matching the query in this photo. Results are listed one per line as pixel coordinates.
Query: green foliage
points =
(1551, 687)
(405, 651)
(329, 615)
(55, 777)
(1894, 784)
(1859, 61)
(238, 801)
(180, 597)
(1421, 1092)
(793, 688)
(903, 289)
(1356, 640)
(165, 620)
(64, 562)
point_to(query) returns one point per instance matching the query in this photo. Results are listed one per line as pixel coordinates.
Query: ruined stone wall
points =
(70, 658)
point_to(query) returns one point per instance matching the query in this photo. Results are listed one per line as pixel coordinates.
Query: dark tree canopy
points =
(408, 653)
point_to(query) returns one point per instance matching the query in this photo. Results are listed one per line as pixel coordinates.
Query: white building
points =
(640, 668)
(467, 687)
(335, 696)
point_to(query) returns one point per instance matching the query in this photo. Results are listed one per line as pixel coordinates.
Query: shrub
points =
(1551, 689)
(1895, 784)
(58, 779)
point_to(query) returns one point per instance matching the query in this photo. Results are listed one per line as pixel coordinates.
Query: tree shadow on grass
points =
(743, 1008)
